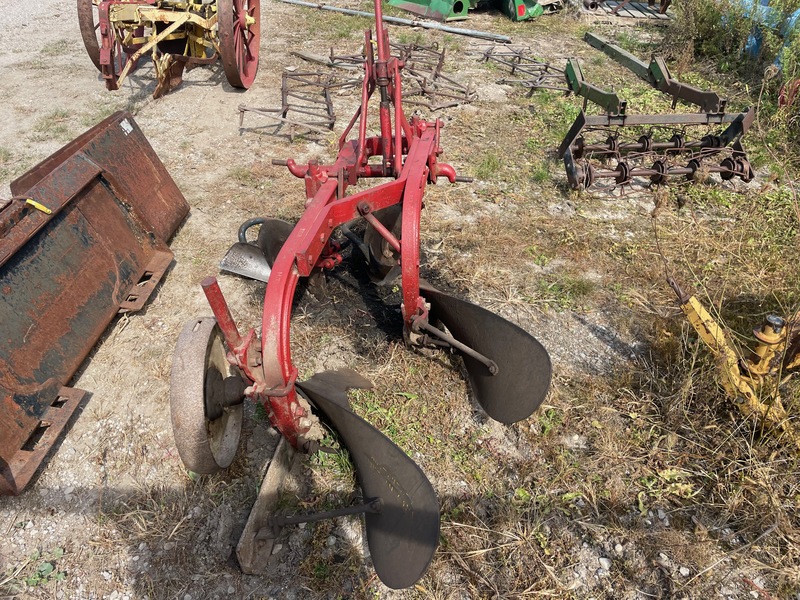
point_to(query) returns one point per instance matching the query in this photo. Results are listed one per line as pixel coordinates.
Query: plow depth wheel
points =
(239, 39)
(199, 368)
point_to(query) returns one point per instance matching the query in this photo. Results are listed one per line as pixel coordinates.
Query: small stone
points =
(114, 595)
(277, 548)
(661, 514)
(618, 548)
(231, 590)
(684, 571)
(331, 541)
(187, 597)
(169, 545)
(605, 563)
(29, 525)
(754, 593)
(106, 575)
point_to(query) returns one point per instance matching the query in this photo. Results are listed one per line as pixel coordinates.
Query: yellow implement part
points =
(741, 385)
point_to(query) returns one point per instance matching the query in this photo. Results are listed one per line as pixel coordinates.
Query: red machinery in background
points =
(215, 366)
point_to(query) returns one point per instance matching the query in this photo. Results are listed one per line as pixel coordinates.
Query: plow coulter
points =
(216, 367)
(177, 34)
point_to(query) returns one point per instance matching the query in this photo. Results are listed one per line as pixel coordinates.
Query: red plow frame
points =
(508, 370)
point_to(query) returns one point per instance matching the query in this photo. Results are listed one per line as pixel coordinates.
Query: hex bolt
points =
(776, 322)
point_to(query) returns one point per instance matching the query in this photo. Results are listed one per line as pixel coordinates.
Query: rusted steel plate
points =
(20, 468)
(66, 274)
(120, 149)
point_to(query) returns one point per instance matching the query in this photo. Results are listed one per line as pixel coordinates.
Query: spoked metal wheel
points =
(239, 39)
(89, 23)
(202, 383)
(90, 29)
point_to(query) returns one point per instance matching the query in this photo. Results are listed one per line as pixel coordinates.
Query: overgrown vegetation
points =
(760, 45)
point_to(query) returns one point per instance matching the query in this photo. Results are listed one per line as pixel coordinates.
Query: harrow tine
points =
(523, 371)
(404, 534)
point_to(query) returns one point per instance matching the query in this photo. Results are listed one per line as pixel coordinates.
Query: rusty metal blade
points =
(523, 379)
(404, 535)
(247, 260)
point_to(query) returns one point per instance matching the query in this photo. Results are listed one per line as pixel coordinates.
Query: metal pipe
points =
(221, 312)
(504, 39)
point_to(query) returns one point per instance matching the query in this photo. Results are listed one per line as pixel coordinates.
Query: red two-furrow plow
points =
(216, 366)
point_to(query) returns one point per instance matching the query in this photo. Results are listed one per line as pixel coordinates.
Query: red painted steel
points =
(408, 152)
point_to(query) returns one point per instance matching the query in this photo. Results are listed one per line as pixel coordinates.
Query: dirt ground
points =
(558, 505)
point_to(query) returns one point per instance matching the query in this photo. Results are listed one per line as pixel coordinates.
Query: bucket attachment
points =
(83, 239)
(404, 533)
(523, 365)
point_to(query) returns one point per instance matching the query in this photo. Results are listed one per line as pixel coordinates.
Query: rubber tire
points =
(204, 446)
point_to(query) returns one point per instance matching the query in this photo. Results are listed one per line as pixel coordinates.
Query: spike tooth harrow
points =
(508, 370)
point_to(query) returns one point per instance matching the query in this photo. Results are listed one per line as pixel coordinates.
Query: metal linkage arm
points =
(657, 74)
(609, 101)
(740, 377)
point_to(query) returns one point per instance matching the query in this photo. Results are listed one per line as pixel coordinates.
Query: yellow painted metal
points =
(129, 20)
(752, 383)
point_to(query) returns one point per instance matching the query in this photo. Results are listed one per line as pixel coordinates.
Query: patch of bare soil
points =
(582, 500)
